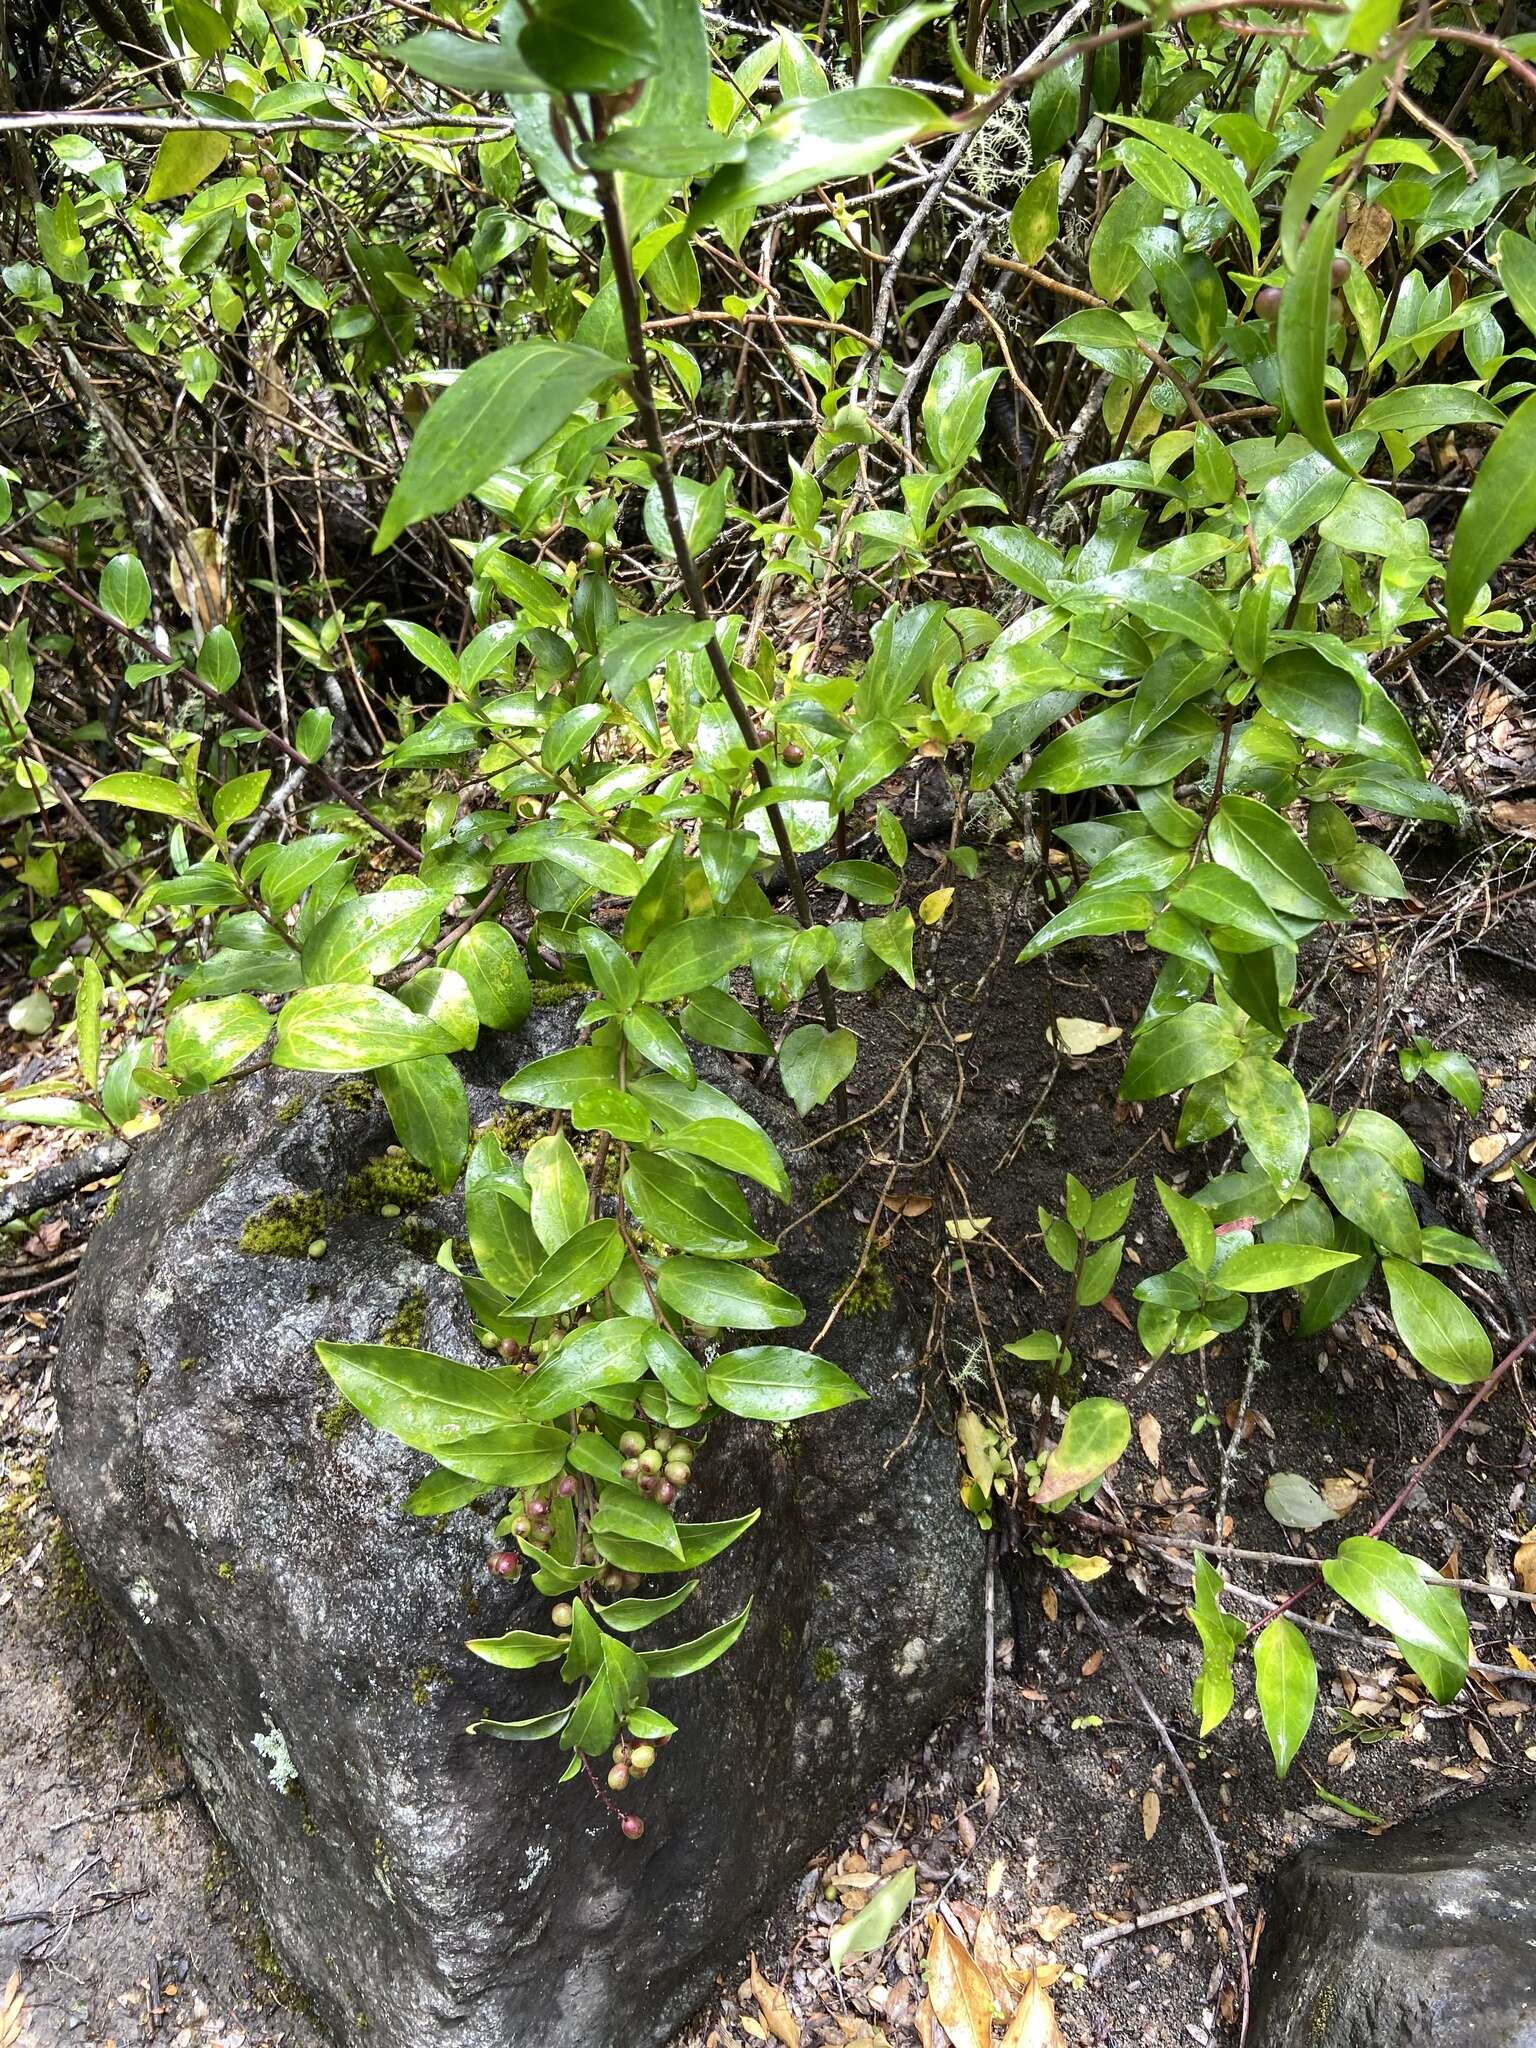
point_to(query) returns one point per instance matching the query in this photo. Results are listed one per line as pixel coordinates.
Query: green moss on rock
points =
(409, 1320)
(872, 1293)
(825, 1664)
(286, 1228)
(393, 1182)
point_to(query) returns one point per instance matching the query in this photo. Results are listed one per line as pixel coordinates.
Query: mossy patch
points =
(286, 1228)
(334, 1422)
(290, 1109)
(427, 1675)
(407, 1323)
(516, 1128)
(18, 1509)
(355, 1094)
(391, 1183)
(547, 994)
(825, 1664)
(872, 1293)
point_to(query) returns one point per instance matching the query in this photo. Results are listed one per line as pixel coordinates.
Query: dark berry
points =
(633, 1826)
(567, 1485)
(793, 755)
(1267, 304)
(506, 1564)
(666, 1492)
(1341, 269)
(538, 1507)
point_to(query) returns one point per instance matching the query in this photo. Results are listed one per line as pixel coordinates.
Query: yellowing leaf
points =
(1034, 2023)
(934, 905)
(964, 1229)
(774, 2007)
(959, 1992)
(1525, 1565)
(182, 162)
(1051, 1922)
(1079, 1036)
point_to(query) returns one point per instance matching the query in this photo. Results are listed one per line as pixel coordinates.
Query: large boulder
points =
(1418, 1938)
(307, 1636)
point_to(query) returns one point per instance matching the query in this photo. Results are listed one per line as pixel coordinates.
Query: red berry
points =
(666, 1492)
(506, 1564)
(538, 1507)
(793, 755)
(633, 1826)
(567, 1485)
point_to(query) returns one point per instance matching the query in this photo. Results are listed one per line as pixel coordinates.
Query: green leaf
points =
(686, 1658)
(1499, 515)
(88, 998)
(1455, 1073)
(1196, 1231)
(538, 1729)
(557, 1190)
(556, 1082)
(636, 1519)
(611, 1352)
(692, 1209)
(441, 1493)
(497, 412)
(182, 163)
(424, 1400)
(1215, 173)
(1285, 1676)
(1094, 1437)
(519, 1650)
(491, 962)
(1263, 848)
(1301, 333)
(582, 1267)
(844, 135)
(629, 1616)
(1271, 1107)
(429, 1109)
(870, 1928)
(637, 650)
(813, 1062)
(771, 1383)
(688, 956)
(1098, 910)
(367, 935)
(1437, 1326)
(1184, 1048)
(513, 1454)
(737, 1146)
(597, 46)
(351, 1028)
(865, 880)
(124, 594)
(156, 793)
(206, 1041)
(471, 67)
(717, 1295)
(1220, 1636)
(1100, 1270)
(1264, 1268)
(1370, 1193)
(714, 1018)
(1422, 1617)
(1035, 220)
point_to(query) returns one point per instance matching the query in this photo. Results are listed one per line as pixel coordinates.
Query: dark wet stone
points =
(307, 1637)
(1423, 1937)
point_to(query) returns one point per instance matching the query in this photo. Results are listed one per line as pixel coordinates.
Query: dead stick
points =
(1162, 1916)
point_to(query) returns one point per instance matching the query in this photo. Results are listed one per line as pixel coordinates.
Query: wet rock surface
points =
(1423, 1935)
(307, 1637)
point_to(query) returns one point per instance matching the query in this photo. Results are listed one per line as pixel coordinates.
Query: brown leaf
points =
(1369, 233)
(13, 2011)
(1150, 1432)
(1512, 818)
(1051, 1922)
(1341, 1494)
(1151, 1813)
(959, 1992)
(1034, 2024)
(924, 2023)
(1048, 1602)
(774, 2007)
(909, 1205)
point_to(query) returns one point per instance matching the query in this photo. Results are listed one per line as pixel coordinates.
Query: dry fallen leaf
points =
(1151, 1813)
(1079, 1036)
(1369, 233)
(13, 2011)
(1048, 1601)
(1342, 1494)
(1525, 1565)
(909, 1205)
(774, 2007)
(1150, 1432)
(1051, 1922)
(1034, 2024)
(959, 1992)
